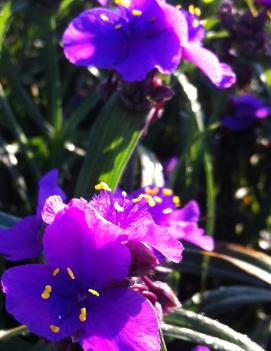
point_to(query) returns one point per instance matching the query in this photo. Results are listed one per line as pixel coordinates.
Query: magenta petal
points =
(228, 77)
(88, 245)
(53, 205)
(23, 287)
(159, 238)
(22, 240)
(204, 60)
(92, 40)
(219, 74)
(121, 320)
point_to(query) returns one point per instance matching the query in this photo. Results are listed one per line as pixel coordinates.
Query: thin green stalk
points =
(18, 133)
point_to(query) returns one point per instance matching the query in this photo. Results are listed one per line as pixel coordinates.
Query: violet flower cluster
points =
(81, 289)
(244, 112)
(135, 37)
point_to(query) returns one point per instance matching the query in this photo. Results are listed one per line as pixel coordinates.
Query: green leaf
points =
(217, 302)
(200, 329)
(7, 220)
(112, 141)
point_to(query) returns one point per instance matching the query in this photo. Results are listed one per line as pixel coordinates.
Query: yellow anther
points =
(167, 192)
(195, 23)
(71, 274)
(117, 207)
(147, 190)
(46, 292)
(118, 26)
(56, 271)
(137, 199)
(197, 11)
(176, 200)
(102, 186)
(55, 329)
(178, 7)
(150, 191)
(150, 200)
(94, 292)
(167, 211)
(83, 314)
(191, 9)
(136, 12)
(124, 3)
(103, 17)
(158, 199)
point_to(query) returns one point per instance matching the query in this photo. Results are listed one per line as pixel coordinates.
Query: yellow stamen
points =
(197, 11)
(136, 12)
(94, 292)
(158, 199)
(70, 272)
(55, 329)
(150, 200)
(125, 3)
(137, 199)
(167, 192)
(191, 9)
(83, 314)
(118, 26)
(117, 207)
(150, 191)
(167, 211)
(102, 186)
(195, 23)
(103, 17)
(56, 271)
(176, 200)
(47, 292)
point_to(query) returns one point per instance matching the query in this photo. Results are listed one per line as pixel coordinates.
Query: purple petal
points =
(92, 40)
(196, 236)
(22, 240)
(228, 77)
(121, 320)
(189, 213)
(219, 74)
(88, 245)
(23, 287)
(48, 185)
(152, 47)
(159, 238)
(53, 205)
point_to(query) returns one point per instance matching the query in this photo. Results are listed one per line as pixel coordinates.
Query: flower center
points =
(49, 290)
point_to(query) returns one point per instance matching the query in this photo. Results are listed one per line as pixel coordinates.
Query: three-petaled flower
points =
(138, 36)
(82, 289)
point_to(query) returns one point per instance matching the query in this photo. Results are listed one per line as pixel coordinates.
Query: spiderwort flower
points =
(244, 112)
(134, 38)
(220, 74)
(81, 290)
(143, 235)
(22, 241)
(181, 223)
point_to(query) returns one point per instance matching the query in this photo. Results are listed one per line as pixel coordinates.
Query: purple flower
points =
(22, 241)
(143, 235)
(181, 223)
(81, 291)
(266, 3)
(244, 112)
(145, 240)
(134, 38)
(220, 74)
